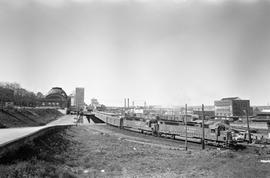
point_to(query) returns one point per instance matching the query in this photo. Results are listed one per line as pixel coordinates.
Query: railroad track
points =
(148, 135)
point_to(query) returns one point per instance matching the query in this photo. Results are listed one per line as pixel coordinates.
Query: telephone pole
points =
(203, 145)
(125, 105)
(248, 130)
(186, 127)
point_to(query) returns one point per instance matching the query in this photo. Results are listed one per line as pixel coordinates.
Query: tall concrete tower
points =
(79, 98)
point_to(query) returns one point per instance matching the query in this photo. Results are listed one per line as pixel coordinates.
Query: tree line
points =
(14, 93)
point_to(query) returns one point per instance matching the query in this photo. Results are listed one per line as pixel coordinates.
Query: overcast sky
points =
(167, 52)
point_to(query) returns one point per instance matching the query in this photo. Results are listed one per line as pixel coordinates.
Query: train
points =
(215, 134)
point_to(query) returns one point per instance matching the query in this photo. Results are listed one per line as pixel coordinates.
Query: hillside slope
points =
(27, 117)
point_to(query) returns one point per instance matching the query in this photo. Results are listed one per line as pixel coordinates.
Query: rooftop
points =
(57, 90)
(231, 98)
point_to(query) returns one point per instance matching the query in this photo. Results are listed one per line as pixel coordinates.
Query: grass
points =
(84, 151)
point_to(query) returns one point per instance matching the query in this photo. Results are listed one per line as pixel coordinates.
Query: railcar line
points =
(177, 139)
(164, 129)
(167, 138)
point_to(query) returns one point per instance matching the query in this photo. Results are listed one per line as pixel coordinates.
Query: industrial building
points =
(79, 98)
(94, 102)
(232, 107)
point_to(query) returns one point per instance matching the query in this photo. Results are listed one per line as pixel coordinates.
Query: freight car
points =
(110, 118)
(218, 133)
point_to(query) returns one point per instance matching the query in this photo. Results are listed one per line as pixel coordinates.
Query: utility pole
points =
(173, 112)
(248, 130)
(186, 126)
(125, 105)
(203, 145)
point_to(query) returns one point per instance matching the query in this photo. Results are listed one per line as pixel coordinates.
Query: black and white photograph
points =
(134, 88)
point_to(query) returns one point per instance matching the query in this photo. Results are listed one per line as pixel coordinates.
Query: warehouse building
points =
(232, 107)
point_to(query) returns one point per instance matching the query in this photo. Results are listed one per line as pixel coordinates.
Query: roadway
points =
(9, 135)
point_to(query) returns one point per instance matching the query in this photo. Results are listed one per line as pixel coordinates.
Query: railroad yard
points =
(105, 151)
(135, 89)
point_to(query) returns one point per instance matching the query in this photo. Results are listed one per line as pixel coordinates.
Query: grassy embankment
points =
(86, 152)
(27, 117)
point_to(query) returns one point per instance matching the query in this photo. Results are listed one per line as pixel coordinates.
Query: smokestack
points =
(125, 103)
(128, 103)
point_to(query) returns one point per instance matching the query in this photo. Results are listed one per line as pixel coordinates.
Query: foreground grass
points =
(85, 152)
